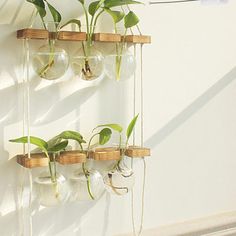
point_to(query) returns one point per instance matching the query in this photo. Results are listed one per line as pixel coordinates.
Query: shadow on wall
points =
(182, 117)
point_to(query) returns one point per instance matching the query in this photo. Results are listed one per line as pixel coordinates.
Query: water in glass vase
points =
(51, 193)
(120, 180)
(88, 63)
(50, 61)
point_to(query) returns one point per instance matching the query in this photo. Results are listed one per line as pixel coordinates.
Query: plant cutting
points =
(130, 20)
(52, 184)
(86, 184)
(90, 65)
(120, 179)
(50, 62)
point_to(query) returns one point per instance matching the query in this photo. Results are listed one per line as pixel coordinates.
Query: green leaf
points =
(58, 147)
(117, 3)
(40, 6)
(131, 20)
(40, 143)
(116, 15)
(81, 1)
(104, 136)
(73, 135)
(55, 14)
(93, 7)
(73, 21)
(115, 127)
(131, 127)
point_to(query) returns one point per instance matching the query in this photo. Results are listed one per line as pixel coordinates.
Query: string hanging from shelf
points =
(26, 128)
(139, 231)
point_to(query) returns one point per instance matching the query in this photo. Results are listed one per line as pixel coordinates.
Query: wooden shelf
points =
(76, 157)
(134, 151)
(142, 39)
(35, 160)
(81, 36)
(71, 157)
(105, 154)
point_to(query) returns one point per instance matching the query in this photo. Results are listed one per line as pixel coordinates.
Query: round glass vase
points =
(88, 62)
(86, 185)
(51, 191)
(120, 64)
(120, 180)
(50, 61)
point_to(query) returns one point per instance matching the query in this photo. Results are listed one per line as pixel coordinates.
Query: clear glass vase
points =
(50, 61)
(88, 62)
(120, 64)
(120, 180)
(86, 187)
(51, 193)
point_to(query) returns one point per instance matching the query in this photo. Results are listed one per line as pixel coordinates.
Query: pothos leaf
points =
(131, 20)
(40, 143)
(73, 135)
(104, 136)
(93, 7)
(117, 3)
(81, 1)
(117, 16)
(58, 147)
(131, 127)
(73, 21)
(55, 14)
(40, 6)
(115, 127)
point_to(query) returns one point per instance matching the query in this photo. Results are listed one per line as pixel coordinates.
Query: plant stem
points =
(86, 172)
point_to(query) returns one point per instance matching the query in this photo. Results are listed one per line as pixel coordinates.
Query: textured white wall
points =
(189, 120)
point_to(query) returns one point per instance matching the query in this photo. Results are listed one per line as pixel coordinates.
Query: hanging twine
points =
(139, 232)
(26, 130)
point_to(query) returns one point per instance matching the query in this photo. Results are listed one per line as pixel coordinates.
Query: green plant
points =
(92, 13)
(50, 151)
(119, 129)
(130, 20)
(41, 7)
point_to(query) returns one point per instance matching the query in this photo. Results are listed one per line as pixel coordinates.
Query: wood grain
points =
(135, 151)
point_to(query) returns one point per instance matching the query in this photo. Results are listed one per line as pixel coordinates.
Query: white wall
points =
(189, 123)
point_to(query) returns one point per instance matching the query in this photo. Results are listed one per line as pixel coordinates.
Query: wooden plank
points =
(106, 37)
(81, 36)
(135, 151)
(72, 36)
(36, 160)
(71, 157)
(32, 34)
(105, 154)
(142, 39)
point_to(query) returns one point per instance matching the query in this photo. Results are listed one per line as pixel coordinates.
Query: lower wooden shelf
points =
(105, 154)
(35, 160)
(135, 151)
(76, 157)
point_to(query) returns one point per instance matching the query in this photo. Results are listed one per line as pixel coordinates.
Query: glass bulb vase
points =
(51, 193)
(120, 180)
(86, 187)
(88, 63)
(50, 61)
(120, 64)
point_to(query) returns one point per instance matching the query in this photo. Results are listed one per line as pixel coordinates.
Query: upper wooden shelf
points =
(81, 36)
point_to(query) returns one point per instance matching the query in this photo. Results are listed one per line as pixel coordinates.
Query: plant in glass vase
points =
(120, 179)
(50, 61)
(51, 185)
(88, 62)
(121, 64)
(87, 183)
